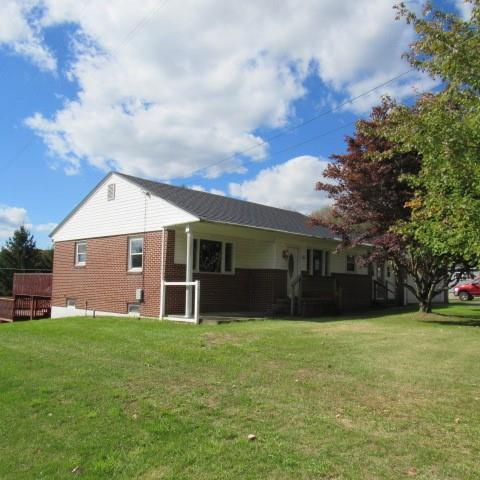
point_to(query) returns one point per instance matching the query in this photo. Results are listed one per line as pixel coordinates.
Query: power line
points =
(18, 154)
(301, 124)
(316, 137)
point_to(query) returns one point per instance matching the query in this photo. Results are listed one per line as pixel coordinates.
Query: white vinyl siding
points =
(99, 217)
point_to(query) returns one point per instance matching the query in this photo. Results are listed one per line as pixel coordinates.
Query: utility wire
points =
(316, 137)
(301, 124)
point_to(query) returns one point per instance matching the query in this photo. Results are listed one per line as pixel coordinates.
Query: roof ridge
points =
(133, 177)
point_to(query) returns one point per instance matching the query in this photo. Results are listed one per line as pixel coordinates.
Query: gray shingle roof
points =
(217, 208)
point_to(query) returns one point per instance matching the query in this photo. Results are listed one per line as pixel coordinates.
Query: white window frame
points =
(69, 302)
(354, 264)
(130, 240)
(222, 267)
(79, 263)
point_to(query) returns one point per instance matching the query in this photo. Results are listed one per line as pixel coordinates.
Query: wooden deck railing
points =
(382, 291)
(25, 307)
(6, 308)
(31, 297)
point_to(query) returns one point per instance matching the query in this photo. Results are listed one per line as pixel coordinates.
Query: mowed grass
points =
(379, 396)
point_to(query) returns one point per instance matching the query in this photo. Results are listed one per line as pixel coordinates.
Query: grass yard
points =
(387, 396)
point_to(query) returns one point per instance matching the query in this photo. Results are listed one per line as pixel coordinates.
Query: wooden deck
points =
(31, 298)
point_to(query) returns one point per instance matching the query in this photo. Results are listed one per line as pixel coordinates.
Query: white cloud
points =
(289, 185)
(12, 218)
(43, 227)
(168, 88)
(465, 8)
(22, 35)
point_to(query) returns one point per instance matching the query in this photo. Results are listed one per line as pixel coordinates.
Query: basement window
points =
(80, 254)
(111, 192)
(71, 303)
(351, 263)
(133, 309)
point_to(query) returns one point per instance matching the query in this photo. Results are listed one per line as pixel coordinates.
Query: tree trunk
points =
(425, 306)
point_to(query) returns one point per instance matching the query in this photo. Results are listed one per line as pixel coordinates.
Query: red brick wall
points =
(106, 285)
(104, 282)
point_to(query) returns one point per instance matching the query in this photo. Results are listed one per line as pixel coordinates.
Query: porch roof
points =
(221, 209)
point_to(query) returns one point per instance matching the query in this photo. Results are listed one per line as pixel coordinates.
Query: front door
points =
(292, 269)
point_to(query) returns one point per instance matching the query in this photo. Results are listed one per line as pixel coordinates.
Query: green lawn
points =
(386, 396)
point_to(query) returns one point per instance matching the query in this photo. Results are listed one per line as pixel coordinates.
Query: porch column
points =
(189, 272)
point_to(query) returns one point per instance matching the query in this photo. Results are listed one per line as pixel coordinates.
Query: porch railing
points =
(179, 318)
(381, 292)
(296, 286)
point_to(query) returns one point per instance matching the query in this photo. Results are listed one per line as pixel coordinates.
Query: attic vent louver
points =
(111, 192)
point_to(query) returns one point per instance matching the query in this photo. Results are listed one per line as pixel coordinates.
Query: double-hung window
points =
(213, 256)
(351, 267)
(135, 254)
(80, 254)
(315, 262)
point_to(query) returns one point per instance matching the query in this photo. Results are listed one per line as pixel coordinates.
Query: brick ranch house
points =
(119, 251)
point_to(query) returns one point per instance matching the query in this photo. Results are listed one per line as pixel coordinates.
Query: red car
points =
(468, 290)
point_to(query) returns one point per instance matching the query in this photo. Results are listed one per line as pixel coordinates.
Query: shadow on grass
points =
(458, 323)
(458, 314)
(360, 315)
(471, 312)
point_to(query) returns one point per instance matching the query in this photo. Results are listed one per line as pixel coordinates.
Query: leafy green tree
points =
(444, 129)
(21, 254)
(372, 198)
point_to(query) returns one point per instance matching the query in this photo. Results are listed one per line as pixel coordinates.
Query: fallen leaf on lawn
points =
(412, 472)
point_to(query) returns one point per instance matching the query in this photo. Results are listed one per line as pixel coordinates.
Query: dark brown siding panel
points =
(356, 291)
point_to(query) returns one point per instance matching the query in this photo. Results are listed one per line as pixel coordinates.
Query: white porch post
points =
(189, 272)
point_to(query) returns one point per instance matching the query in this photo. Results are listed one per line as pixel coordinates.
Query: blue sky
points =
(166, 88)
